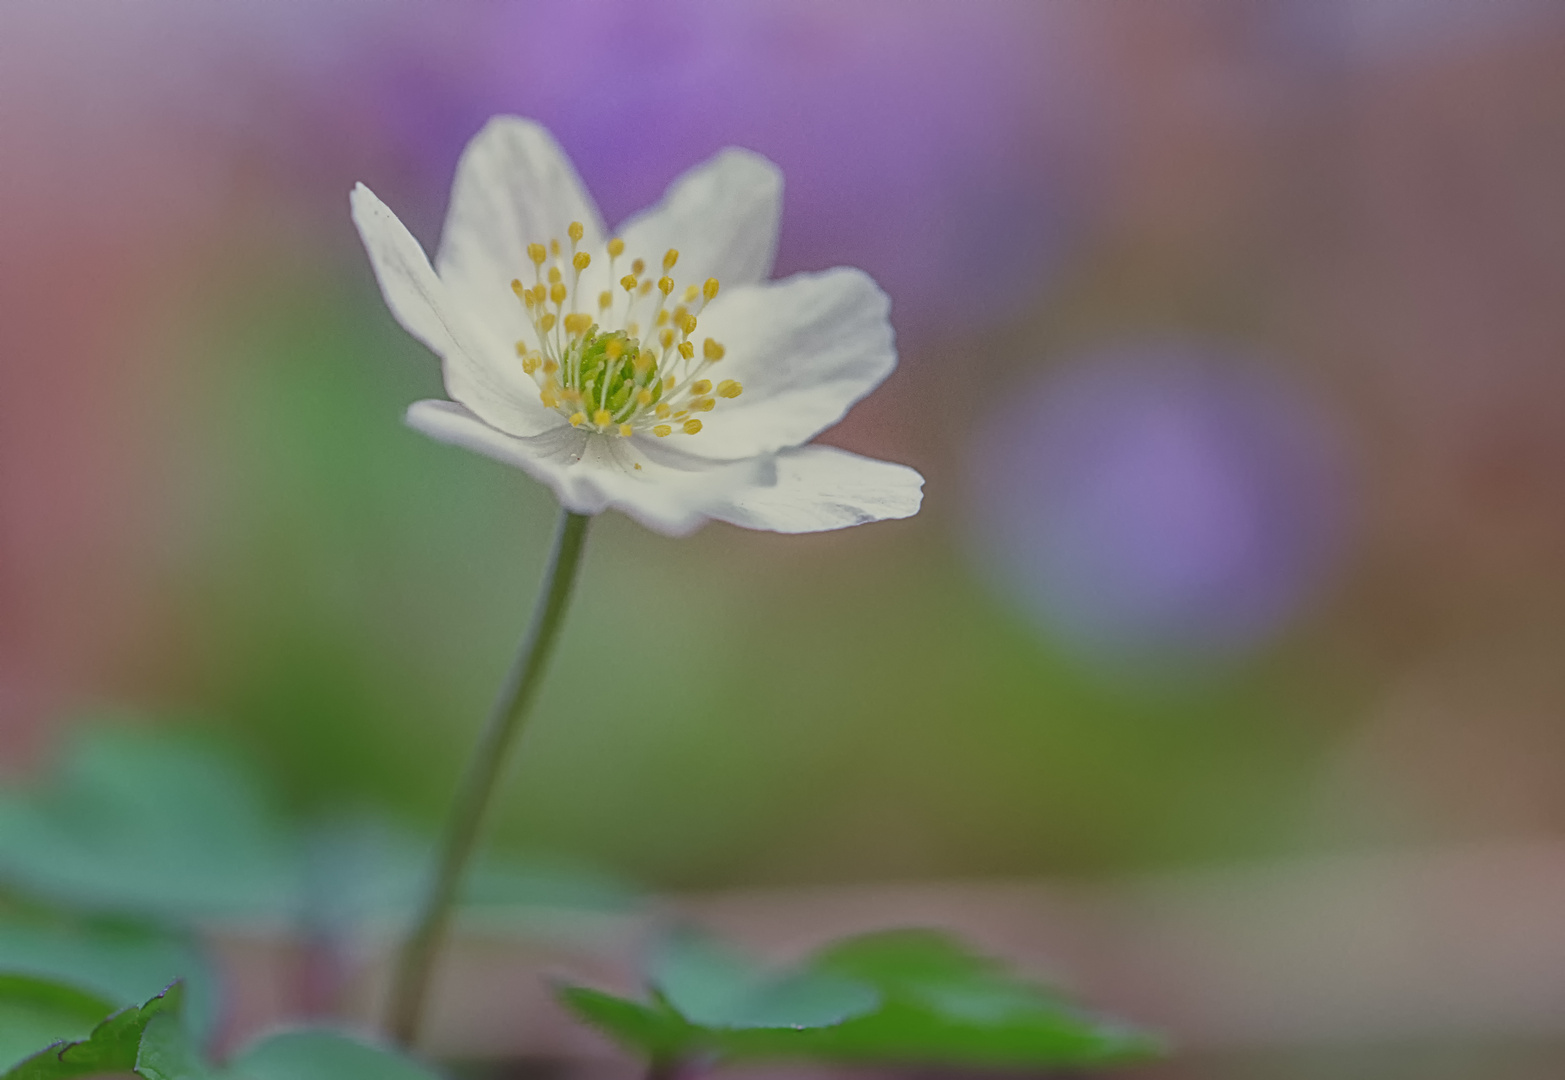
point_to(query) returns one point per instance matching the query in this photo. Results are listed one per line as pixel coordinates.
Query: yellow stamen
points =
(692, 426)
(554, 247)
(665, 284)
(547, 322)
(691, 293)
(549, 399)
(712, 350)
(602, 417)
(577, 324)
(702, 404)
(554, 275)
(530, 363)
(643, 397)
(581, 260)
(701, 386)
(729, 388)
(628, 282)
(616, 248)
(625, 430)
(662, 410)
(605, 300)
(662, 430)
(577, 418)
(537, 254)
(575, 232)
(643, 361)
(709, 290)
(670, 257)
(638, 267)
(521, 291)
(686, 349)
(614, 348)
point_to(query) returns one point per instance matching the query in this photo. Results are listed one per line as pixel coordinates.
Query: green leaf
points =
(166, 1052)
(944, 1004)
(714, 986)
(113, 1046)
(150, 822)
(652, 1029)
(122, 962)
(320, 1054)
(36, 1012)
(909, 997)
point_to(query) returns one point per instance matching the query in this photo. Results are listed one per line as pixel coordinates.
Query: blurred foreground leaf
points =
(319, 1054)
(121, 962)
(112, 1046)
(165, 825)
(904, 997)
(35, 1012)
(147, 822)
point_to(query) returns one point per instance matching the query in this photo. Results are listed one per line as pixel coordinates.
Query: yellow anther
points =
(540, 293)
(575, 232)
(554, 275)
(577, 418)
(729, 388)
(662, 430)
(558, 292)
(679, 312)
(581, 260)
(521, 348)
(668, 382)
(643, 361)
(551, 366)
(626, 430)
(665, 284)
(554, 247)
(662, 410)
(549, 398)
(686, 349)
(712, 350)
(605, 300)
(638, 267)
(571, 394)
(702, 404)
(666, 339)
(547, 322)
(530, 363)
(691, 292)
(646, 286)
(661, 320)
(614, 348)
(519, 289)
(602, 417)
(537, 253)
(688, 325)
(701, 386)
(670, 257)
(616, 248)
(628, 282)
(643, 397)
(692, 426)
(709, 290)
(578, 324)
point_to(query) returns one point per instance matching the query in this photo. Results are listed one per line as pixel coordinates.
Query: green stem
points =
(415, 964)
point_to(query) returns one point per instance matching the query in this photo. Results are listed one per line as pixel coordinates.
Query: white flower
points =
(613, 367)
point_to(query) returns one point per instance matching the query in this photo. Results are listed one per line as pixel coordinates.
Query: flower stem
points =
(415, 964)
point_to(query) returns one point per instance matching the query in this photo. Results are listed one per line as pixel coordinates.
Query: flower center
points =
(598, 369)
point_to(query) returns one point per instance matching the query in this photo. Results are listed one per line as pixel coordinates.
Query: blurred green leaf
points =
(113, 1046)
(319, 1054)
(167, 1052)
(35, 1012)
(148, 822)
(714, 986)
(905, 997)
(122, 962)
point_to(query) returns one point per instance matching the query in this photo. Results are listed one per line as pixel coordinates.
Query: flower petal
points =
(479, 369)
(663, 489)
(820, 487)
(722, 217)
(514, 186)
(804, 349)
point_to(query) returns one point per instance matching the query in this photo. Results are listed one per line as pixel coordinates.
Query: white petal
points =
(804, 349)
(514, 186)
(821, 487)
(480, 370)
(590, 473)
(721, 217)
